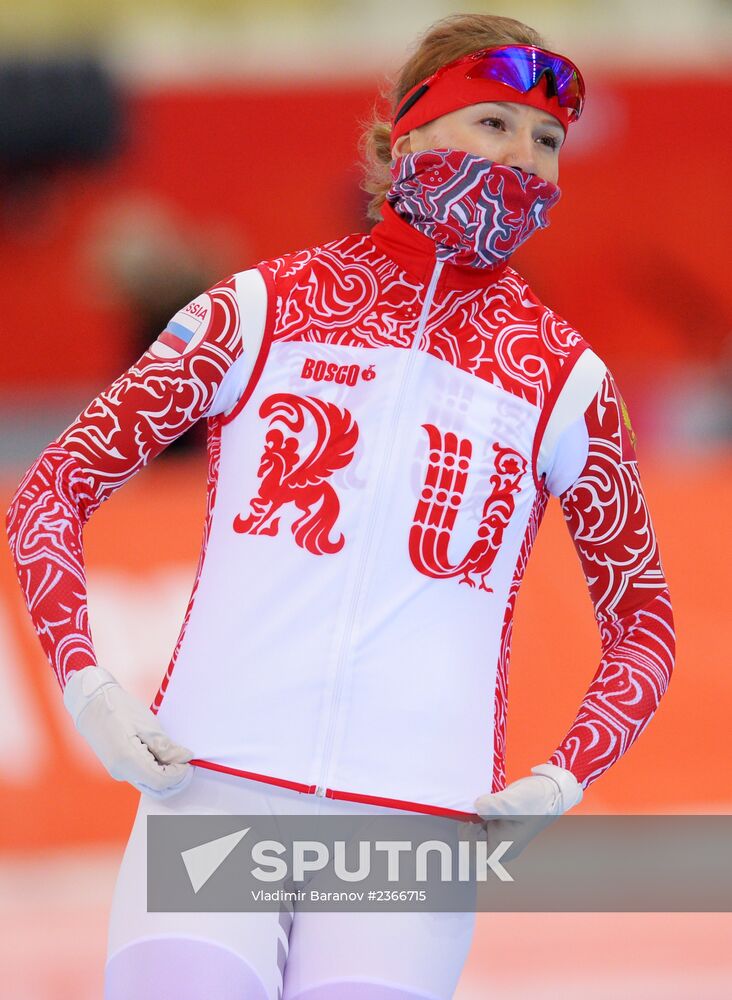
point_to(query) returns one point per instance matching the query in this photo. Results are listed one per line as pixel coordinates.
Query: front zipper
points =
(321, 786)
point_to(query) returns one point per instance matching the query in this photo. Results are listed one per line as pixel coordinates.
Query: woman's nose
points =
(522, 154)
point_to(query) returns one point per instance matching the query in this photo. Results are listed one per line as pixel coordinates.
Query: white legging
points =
(270, 955)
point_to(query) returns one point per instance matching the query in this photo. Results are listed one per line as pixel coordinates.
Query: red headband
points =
(452, 90)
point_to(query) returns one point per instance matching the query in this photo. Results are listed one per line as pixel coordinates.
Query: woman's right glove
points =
(125, 735)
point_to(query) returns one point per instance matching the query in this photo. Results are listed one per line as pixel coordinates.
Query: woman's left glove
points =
(552, 791)
(527, 806)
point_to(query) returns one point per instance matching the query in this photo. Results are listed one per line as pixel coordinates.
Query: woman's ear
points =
(402, 146)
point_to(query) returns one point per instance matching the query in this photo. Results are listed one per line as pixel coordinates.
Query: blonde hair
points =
(446, 40)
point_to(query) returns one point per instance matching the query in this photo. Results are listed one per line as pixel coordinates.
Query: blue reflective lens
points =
(522, 67)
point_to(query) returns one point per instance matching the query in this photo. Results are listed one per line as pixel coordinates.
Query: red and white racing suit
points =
(384, 432)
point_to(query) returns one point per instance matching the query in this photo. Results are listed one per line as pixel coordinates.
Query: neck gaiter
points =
(477, 212)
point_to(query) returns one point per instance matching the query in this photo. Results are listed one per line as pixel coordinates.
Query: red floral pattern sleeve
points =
(163, 394)
(607, 516)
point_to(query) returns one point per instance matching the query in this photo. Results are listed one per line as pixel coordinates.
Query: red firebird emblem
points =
(442, 494)
(289, 478)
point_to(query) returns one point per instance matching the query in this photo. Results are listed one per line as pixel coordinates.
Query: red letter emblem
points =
(442, 494)
(288, 478)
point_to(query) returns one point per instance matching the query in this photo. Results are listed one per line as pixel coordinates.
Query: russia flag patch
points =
(185, 330)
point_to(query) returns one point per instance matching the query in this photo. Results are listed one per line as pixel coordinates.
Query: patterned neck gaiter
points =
(477, 212)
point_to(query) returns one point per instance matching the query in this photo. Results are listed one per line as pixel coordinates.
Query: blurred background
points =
(147, 150)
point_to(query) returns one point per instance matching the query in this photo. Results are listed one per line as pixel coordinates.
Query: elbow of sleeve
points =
(13, 515)
(645, 640)
(670, 626)
(55, 475)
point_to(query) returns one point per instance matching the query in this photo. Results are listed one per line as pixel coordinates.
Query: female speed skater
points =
(388, 415)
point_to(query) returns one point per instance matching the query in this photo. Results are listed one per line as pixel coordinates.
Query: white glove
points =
(125, 735)
(548, 793)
